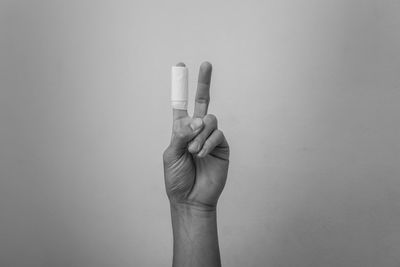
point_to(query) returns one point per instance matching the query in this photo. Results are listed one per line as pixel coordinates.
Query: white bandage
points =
(179, 87)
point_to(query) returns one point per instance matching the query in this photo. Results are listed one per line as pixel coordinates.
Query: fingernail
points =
(194, 147)
(196, 124)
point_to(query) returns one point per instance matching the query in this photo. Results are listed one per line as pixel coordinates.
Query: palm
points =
(198, 181)
(211, 173)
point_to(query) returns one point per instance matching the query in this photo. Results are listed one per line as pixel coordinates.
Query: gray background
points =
(307, 93)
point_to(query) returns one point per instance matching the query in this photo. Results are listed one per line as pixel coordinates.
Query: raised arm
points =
(195, 170)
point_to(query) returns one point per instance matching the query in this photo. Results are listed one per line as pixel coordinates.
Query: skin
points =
(195, 170)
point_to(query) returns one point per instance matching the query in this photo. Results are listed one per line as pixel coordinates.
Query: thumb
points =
(184, 131)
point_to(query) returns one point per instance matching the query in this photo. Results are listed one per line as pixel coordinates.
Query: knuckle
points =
(211, 119)
(179, 134)
(178, 131)
(220, 134)
(202, 100)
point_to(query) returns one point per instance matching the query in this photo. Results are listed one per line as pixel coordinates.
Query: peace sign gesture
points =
(197, 159)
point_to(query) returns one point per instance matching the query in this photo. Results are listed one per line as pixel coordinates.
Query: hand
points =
(197, 159)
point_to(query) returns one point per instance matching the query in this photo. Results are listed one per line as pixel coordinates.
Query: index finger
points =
(179, 92)
(203, 90)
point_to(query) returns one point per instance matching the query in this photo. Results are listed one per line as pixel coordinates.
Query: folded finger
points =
(216, 139)
(210, 124)
(184, 131)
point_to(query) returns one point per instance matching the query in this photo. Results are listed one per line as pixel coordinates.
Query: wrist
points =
(195, 235)
(192, 216)
(190, 209)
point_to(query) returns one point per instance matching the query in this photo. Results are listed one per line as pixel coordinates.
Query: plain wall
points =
(307, 93)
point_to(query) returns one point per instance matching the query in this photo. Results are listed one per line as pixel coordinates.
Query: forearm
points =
(195, 236)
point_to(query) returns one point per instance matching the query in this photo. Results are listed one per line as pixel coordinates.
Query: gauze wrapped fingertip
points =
(179, 87)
